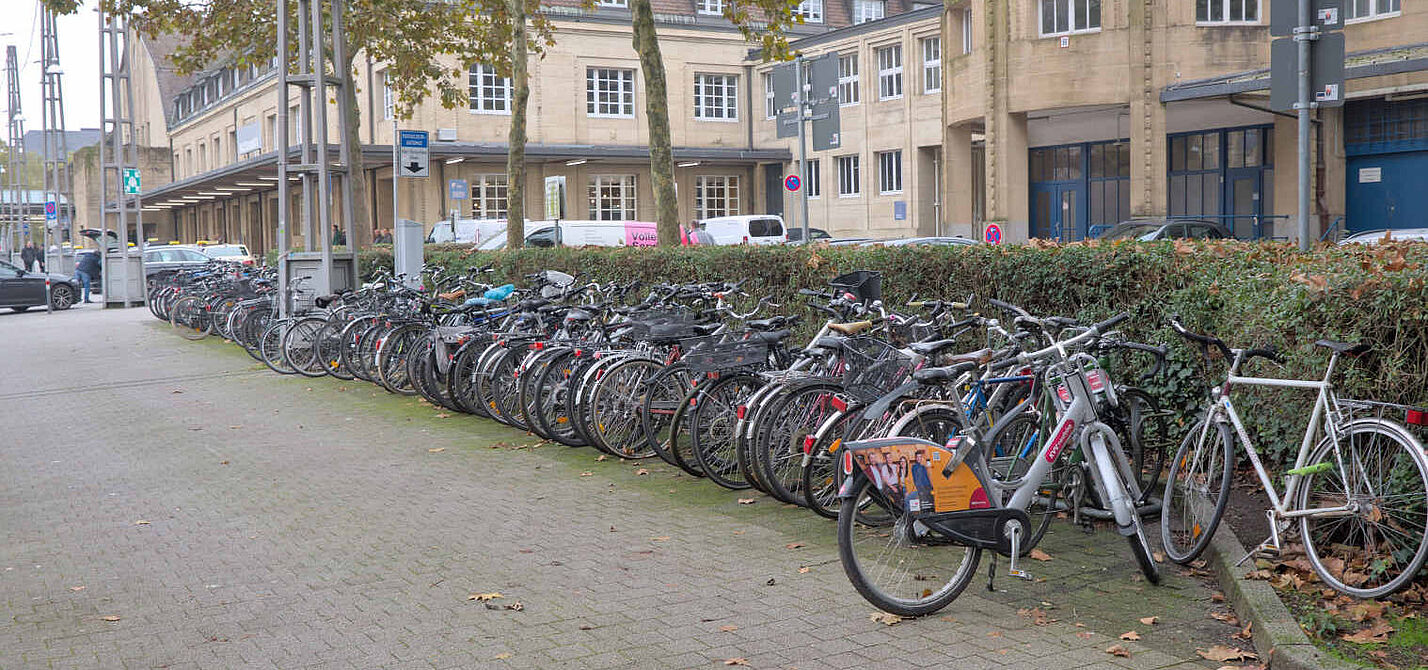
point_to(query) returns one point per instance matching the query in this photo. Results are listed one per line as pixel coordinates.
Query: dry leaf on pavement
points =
(1150, 620)
(435, 450)
(587, 474)
(1039, 555)
(804, 570)
(884, 618)
(483, 597)
(111, 617)
(76, 588)
(739, 660)
(1376, 633)
(660, 538)
(502, 655)
(728, 629)
(141, 522)
(1220, 653)
(746, 501)
(1118, 650)
(1130, 636)
(793, 545)
(642, 471)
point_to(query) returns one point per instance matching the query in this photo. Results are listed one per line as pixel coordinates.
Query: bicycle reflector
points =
(839, 404)
(847, 462)
(1416, 417)
(741, 411)
(808, 441)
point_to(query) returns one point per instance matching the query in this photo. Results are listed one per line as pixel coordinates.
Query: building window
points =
(612, 197)
(613, 3)
(609, 92)
(848, 79)
(389, 98)
(1108, 183)
(712, 7)
(932, 65)
(967, 31)
(716, 97)
(1364, 10)
(890, 72)
(868, 10)
(812, 11)
(849, 184)
(1227, 11)
(490, 93)
(770, 107)
(1224, 176)
(488, 196)
(890, 172)
(1062, 17)
(715, 195)
(813, 179)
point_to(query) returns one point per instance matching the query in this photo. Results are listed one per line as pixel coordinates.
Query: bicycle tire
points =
(1184, 536)
(615, 403)
(713, 431)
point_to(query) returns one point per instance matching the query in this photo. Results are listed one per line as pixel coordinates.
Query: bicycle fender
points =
(881, 405)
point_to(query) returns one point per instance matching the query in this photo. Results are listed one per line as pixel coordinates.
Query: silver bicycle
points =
(1358, 489)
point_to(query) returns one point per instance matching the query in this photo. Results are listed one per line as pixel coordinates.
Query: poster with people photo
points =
(909, 473)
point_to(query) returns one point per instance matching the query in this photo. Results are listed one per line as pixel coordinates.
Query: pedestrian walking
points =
(338, 238)
(86, 268)
(31, 256)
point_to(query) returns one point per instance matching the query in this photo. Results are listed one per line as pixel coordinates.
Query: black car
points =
(21, 290)
(1166, 229)
(795, 234)
(167, 259)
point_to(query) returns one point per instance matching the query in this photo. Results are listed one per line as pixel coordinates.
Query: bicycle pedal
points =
(1020, 574)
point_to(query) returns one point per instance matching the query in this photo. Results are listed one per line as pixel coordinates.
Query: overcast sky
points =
(79, 58)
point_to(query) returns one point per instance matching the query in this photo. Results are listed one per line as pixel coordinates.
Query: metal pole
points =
(280, 144)
(102, 164)
(800, 96)
(319, 142)
(1303, 34)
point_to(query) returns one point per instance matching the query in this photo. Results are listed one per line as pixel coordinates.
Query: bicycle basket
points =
(724, 356)
(872, 367)
(865, 285)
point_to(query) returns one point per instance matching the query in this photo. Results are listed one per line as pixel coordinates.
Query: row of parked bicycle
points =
(932, 432)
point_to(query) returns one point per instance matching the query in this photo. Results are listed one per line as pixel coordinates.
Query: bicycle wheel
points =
(1139, 544)
(550, 390)
(270, 343)
(461, 378)
(615, 404)
(392, 356)
(189, 317)
(1013, 446)
(1196, 491)
(300, 346)
(780, 448)
(1144, 431)
(889, 569)
(1379, 473)
(681, 435)
(822, 475)
(329, 348)
(662, 398)
(716, 417)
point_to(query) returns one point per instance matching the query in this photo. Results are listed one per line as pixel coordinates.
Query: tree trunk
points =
(657, 113)
(516, 156)
(361, 224)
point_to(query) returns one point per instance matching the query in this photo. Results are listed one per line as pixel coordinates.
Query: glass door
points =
(1245, 203)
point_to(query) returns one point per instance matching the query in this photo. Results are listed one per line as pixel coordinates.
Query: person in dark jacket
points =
(31, 256)
(86, 268)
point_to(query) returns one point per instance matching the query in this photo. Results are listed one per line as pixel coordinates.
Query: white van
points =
(582, 234)
(466, 231)
(746, 229)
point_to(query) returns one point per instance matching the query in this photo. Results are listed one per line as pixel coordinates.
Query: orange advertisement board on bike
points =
(909, 472)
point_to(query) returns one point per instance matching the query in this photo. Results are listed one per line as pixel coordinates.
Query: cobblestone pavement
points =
(169, 504)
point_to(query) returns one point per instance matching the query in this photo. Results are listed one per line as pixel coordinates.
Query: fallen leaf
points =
(1220, 653)
(738, 660)
(661, 538)
(587, 627)
(1130, 636)
(502, 655)
(1039, 555)
(728, 629)
(804, 570)
(1085, 635)
(235, 428)
(1371, 635)
(76, 588)
(884, 618)
(111, 617)
(442, 415)
(1245, 633)
(746, 501)
(995, 633)
(1037, 615)
(176, 391)
(793, 545)
(223, 462)
(601, 457)
(435, 450)
(1217, 597)
(587, 474)
(642, 471)
(141, 522)
(771, 582)
(1226, 617)
(1159, 556)
(1150, 620)
(483, 597)
(1118, 650)
(516, 607)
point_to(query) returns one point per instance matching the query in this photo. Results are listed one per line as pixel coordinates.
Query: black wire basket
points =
(865, 285)
(724, 356)
(872, 367)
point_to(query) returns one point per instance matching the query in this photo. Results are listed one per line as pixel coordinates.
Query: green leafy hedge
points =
(1248, 294)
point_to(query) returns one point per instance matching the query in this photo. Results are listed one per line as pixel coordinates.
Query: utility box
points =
(115, 265)
(309, 264)
(407, 252)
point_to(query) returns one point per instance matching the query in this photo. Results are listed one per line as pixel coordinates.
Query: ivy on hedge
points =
(1261, 294)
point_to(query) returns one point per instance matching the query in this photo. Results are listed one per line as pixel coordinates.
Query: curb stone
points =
(1277, 636)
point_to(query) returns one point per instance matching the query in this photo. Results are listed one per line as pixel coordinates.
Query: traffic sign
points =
(992, 234)
(51, 211)
(131, 181)
(1326, 72)
(1284, 16)
(459, 189)
(414, 153)
(791, 183)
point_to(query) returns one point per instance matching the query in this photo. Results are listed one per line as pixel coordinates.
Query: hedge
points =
(1249, 294)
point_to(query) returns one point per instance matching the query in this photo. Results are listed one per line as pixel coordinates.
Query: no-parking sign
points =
(792, 183)
(992, 234)
(51, 211)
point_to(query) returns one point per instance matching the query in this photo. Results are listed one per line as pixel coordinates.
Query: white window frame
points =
(612, 197)
(770, 107)
(389, 98)
(1225, 19)
(931, 64)
(890, 172)
(850, 176)
(1375, 13)
(716, 97)
(889, 71)
(967, 31)
(490, 196)
(810, 10)
(709, 7)
(482, 81)
(869, 10)
(1070, 6)
(813, 178)
(623, 79)
(622, 4)
(716, 195)
(848, 83)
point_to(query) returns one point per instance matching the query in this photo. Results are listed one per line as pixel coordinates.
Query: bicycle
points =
(1339, 489)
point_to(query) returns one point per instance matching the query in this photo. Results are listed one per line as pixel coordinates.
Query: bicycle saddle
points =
(943, 374)
(771, 336)
(852, 328)
(929, 348)
(1349, 348)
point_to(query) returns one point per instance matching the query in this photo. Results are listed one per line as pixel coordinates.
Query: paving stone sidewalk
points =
(167, 504)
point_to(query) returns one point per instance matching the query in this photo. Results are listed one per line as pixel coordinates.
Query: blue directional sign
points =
(413, 155)
(459, 189)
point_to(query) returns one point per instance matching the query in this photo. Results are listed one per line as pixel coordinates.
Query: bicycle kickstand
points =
(1270, 547)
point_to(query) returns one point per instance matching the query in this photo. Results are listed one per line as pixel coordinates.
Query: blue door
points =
(1387, 190)
(1056, 211)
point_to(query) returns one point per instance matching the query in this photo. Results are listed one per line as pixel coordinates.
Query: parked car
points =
(21, 290)
(848, 241)
(466, 231)
(746, 229)
(233, 253)
(1396, 235)
(795, 234)
(166, 259)
(1148, 230)
(922, 242)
